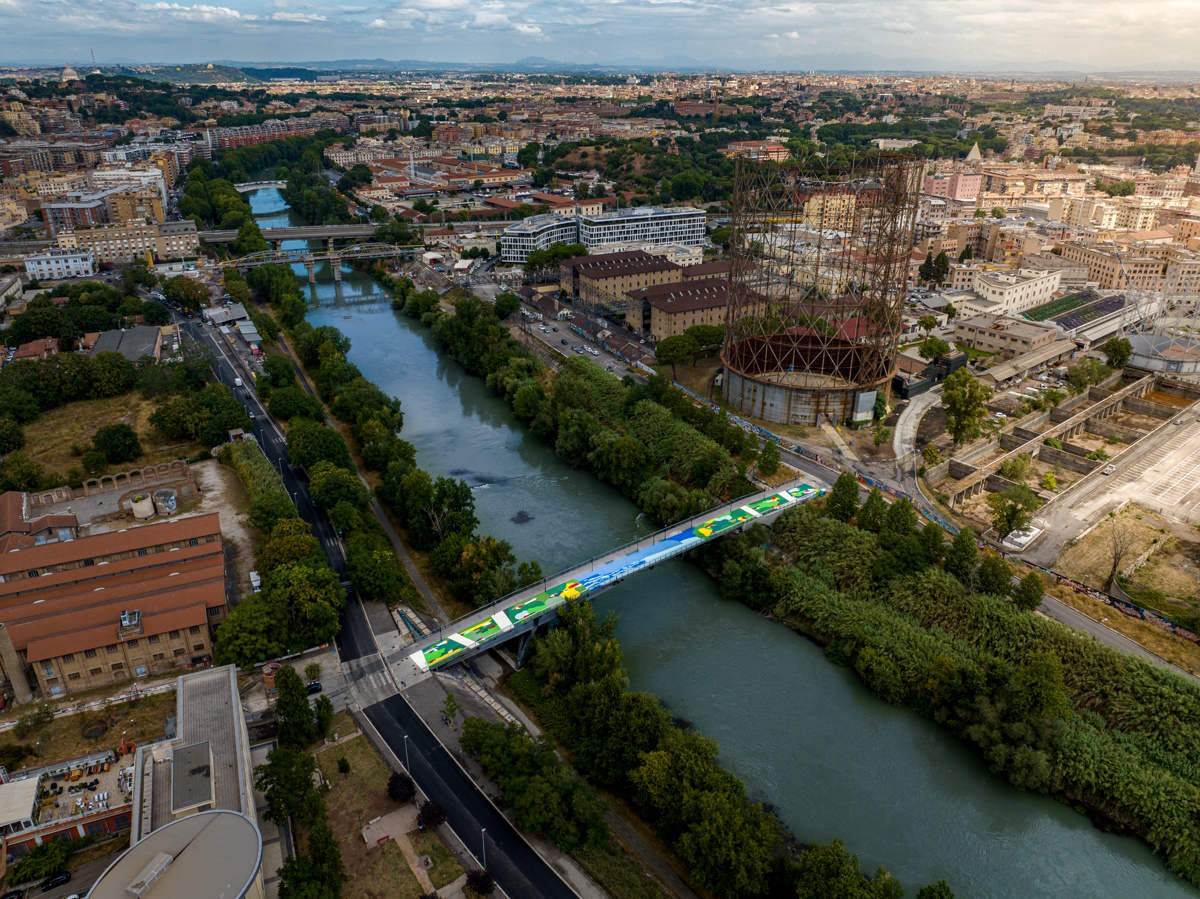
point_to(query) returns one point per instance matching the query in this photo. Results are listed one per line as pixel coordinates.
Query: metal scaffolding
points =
(819, 263)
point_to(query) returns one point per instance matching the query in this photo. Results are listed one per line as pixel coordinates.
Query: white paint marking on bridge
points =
(461, 640)
(502, 621)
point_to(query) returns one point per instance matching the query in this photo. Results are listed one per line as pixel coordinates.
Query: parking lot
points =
(1165, 477)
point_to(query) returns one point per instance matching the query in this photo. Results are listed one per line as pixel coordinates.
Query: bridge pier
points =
(336, 264)
(311, 266)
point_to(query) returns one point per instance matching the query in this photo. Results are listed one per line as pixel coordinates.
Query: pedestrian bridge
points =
(524, 611)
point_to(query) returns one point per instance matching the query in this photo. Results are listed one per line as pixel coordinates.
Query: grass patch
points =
(446, 868)
(49, 439)
(63, 737)
(354, 799)
(619, 871)
(378, 872)
(697, 378)
(972, 353)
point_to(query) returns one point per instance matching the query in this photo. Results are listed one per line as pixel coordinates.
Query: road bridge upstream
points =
(299, 232)
(523, 612)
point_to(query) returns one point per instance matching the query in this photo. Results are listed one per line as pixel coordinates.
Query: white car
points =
(1001, 415)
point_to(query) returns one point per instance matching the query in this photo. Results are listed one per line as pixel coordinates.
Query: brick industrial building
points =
(97, 610)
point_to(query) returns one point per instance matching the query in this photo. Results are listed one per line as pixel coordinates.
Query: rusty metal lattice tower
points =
(819, 262)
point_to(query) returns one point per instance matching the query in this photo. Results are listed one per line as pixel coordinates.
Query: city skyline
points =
(787, 35)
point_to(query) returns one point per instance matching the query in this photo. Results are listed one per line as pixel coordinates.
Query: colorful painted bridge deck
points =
(500, 619)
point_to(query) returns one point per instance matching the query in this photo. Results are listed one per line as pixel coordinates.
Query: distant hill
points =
(189, 74)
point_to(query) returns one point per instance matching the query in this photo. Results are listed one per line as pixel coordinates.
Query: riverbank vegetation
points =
(672, 458)
(626, 742)
(934, 628)
(438, 514)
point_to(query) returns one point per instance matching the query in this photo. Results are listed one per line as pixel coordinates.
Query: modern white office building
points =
(55, 264)
(642, 225)
(537, 232)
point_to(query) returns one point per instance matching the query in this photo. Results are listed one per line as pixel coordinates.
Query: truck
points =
(237, 382)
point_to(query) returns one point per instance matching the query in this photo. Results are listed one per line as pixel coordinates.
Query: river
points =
(802, 733)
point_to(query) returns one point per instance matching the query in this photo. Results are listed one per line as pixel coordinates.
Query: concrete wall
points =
(1145, 407)
(960, 470)
(978, 452)
(937, 474)
(1067, 460)
(1025, 434)
(1011, 441)
(1105, 429)
(1073, 402)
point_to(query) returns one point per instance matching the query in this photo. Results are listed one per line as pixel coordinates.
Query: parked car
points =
(554, 329)
(56, 881)
(13, 894)
(564, 341)
(314, 687)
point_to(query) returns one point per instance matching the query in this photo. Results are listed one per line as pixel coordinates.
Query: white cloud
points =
(528, 30)
(200, 13)
(794, 35)
(489, 19)
(378, 23)
(297, 17)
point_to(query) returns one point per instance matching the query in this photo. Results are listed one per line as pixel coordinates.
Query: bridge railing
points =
(624, 549)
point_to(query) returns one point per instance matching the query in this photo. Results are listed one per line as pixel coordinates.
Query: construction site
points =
(819, 253)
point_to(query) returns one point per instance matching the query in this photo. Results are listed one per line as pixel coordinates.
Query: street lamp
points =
(406, 763)
(483, 839)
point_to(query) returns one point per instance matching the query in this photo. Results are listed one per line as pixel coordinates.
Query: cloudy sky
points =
(793, 34)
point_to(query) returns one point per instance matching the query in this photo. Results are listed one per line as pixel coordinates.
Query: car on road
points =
(1179, 421)
(314, 688)
(1109, 469)
(554, 329)
(1001, 415)
(13, 894)
(56, 881)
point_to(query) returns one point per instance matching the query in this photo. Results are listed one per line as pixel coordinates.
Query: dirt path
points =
(222, 492)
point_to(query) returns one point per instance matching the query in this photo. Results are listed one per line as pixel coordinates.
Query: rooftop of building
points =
(132, 343)
(1011, 326)
(211, 855)
(635, 212)
(706, 269)
(688, 296)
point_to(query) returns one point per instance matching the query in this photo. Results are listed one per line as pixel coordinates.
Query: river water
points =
(802, 733)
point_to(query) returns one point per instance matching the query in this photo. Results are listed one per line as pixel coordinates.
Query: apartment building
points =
(136, 176)
(955, 186)
(1007, 293)
(272, 129)
(135, 204)
(128, 241)
(1108, 266)
(675, 307)
(57, 185)
(1000, 334)
(757, 150)
(56, 264)
(1074, 275)
(97, 610)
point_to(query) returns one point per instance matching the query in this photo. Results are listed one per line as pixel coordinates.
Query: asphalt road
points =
(355, 638)
(1063, 613)
(517, 868)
